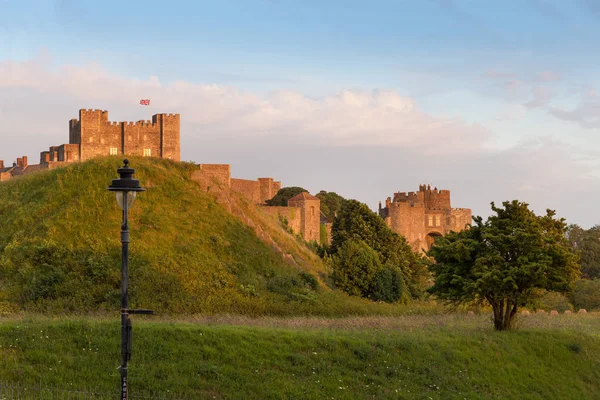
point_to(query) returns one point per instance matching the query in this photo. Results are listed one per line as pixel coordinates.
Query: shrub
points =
(388, 285)
(354, 267)
(299, 286)
(586, 294)
(548, 301)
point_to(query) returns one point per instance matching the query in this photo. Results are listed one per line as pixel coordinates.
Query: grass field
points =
(439, 357)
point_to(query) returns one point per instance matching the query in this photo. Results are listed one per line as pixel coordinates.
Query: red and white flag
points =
(145, 102)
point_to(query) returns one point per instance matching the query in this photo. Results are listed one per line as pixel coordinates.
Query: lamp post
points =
(126, 189)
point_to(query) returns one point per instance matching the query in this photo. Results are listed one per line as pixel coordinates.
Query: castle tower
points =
(310, 220)
(422, 216)
(169, 128)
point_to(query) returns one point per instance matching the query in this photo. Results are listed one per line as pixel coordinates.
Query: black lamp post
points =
(126, 189)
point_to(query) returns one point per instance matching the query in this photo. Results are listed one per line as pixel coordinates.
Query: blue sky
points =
(512, 77)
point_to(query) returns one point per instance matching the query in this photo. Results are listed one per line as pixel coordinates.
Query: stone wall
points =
(459, 218)
(249, 189)
(5, 176)
(68, 153)
(258, 191)
(213, 177)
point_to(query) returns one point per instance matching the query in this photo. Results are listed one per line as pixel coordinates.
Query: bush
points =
(354, 267)
(294, 286)
(319, 249)
(388, 285)
(548, 301)
(586, 294)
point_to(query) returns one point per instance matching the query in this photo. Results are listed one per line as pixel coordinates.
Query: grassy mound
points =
(60, 249)
(432, 357)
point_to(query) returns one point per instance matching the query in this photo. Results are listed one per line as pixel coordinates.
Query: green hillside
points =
(60, 249)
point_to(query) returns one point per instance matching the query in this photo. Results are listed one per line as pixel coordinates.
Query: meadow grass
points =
(452, 356)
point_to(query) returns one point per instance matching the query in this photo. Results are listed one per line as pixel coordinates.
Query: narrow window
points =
(431, 220)
(114, 151)
(438, 220)
(147, 152)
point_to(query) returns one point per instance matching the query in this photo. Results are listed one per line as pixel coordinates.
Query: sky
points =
(493, 100)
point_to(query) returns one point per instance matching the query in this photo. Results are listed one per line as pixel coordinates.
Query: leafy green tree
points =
(356, 221)
(354, 267)
(284, 194)
(504, 260)
(587, 245)
(331, 203)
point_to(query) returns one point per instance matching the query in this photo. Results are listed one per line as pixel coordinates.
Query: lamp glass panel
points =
(130, 199)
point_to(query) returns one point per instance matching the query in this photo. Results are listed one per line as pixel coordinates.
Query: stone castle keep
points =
(94, 135)
(418, 216)
(423, 215)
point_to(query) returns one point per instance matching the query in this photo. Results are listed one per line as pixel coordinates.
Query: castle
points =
(423, 215)
(93, 135)
(419, 217)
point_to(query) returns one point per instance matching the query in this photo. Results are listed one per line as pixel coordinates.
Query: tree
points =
(503, 260)
(284, 194)
(331, 203)
(356, 221)
(354, 267)
(587, 245)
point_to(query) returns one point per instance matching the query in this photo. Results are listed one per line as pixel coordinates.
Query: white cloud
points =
(346, 118)
(586, 113)
(362, 144)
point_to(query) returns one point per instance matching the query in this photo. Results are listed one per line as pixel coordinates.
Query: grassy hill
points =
(417, 357)
(60, 249)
